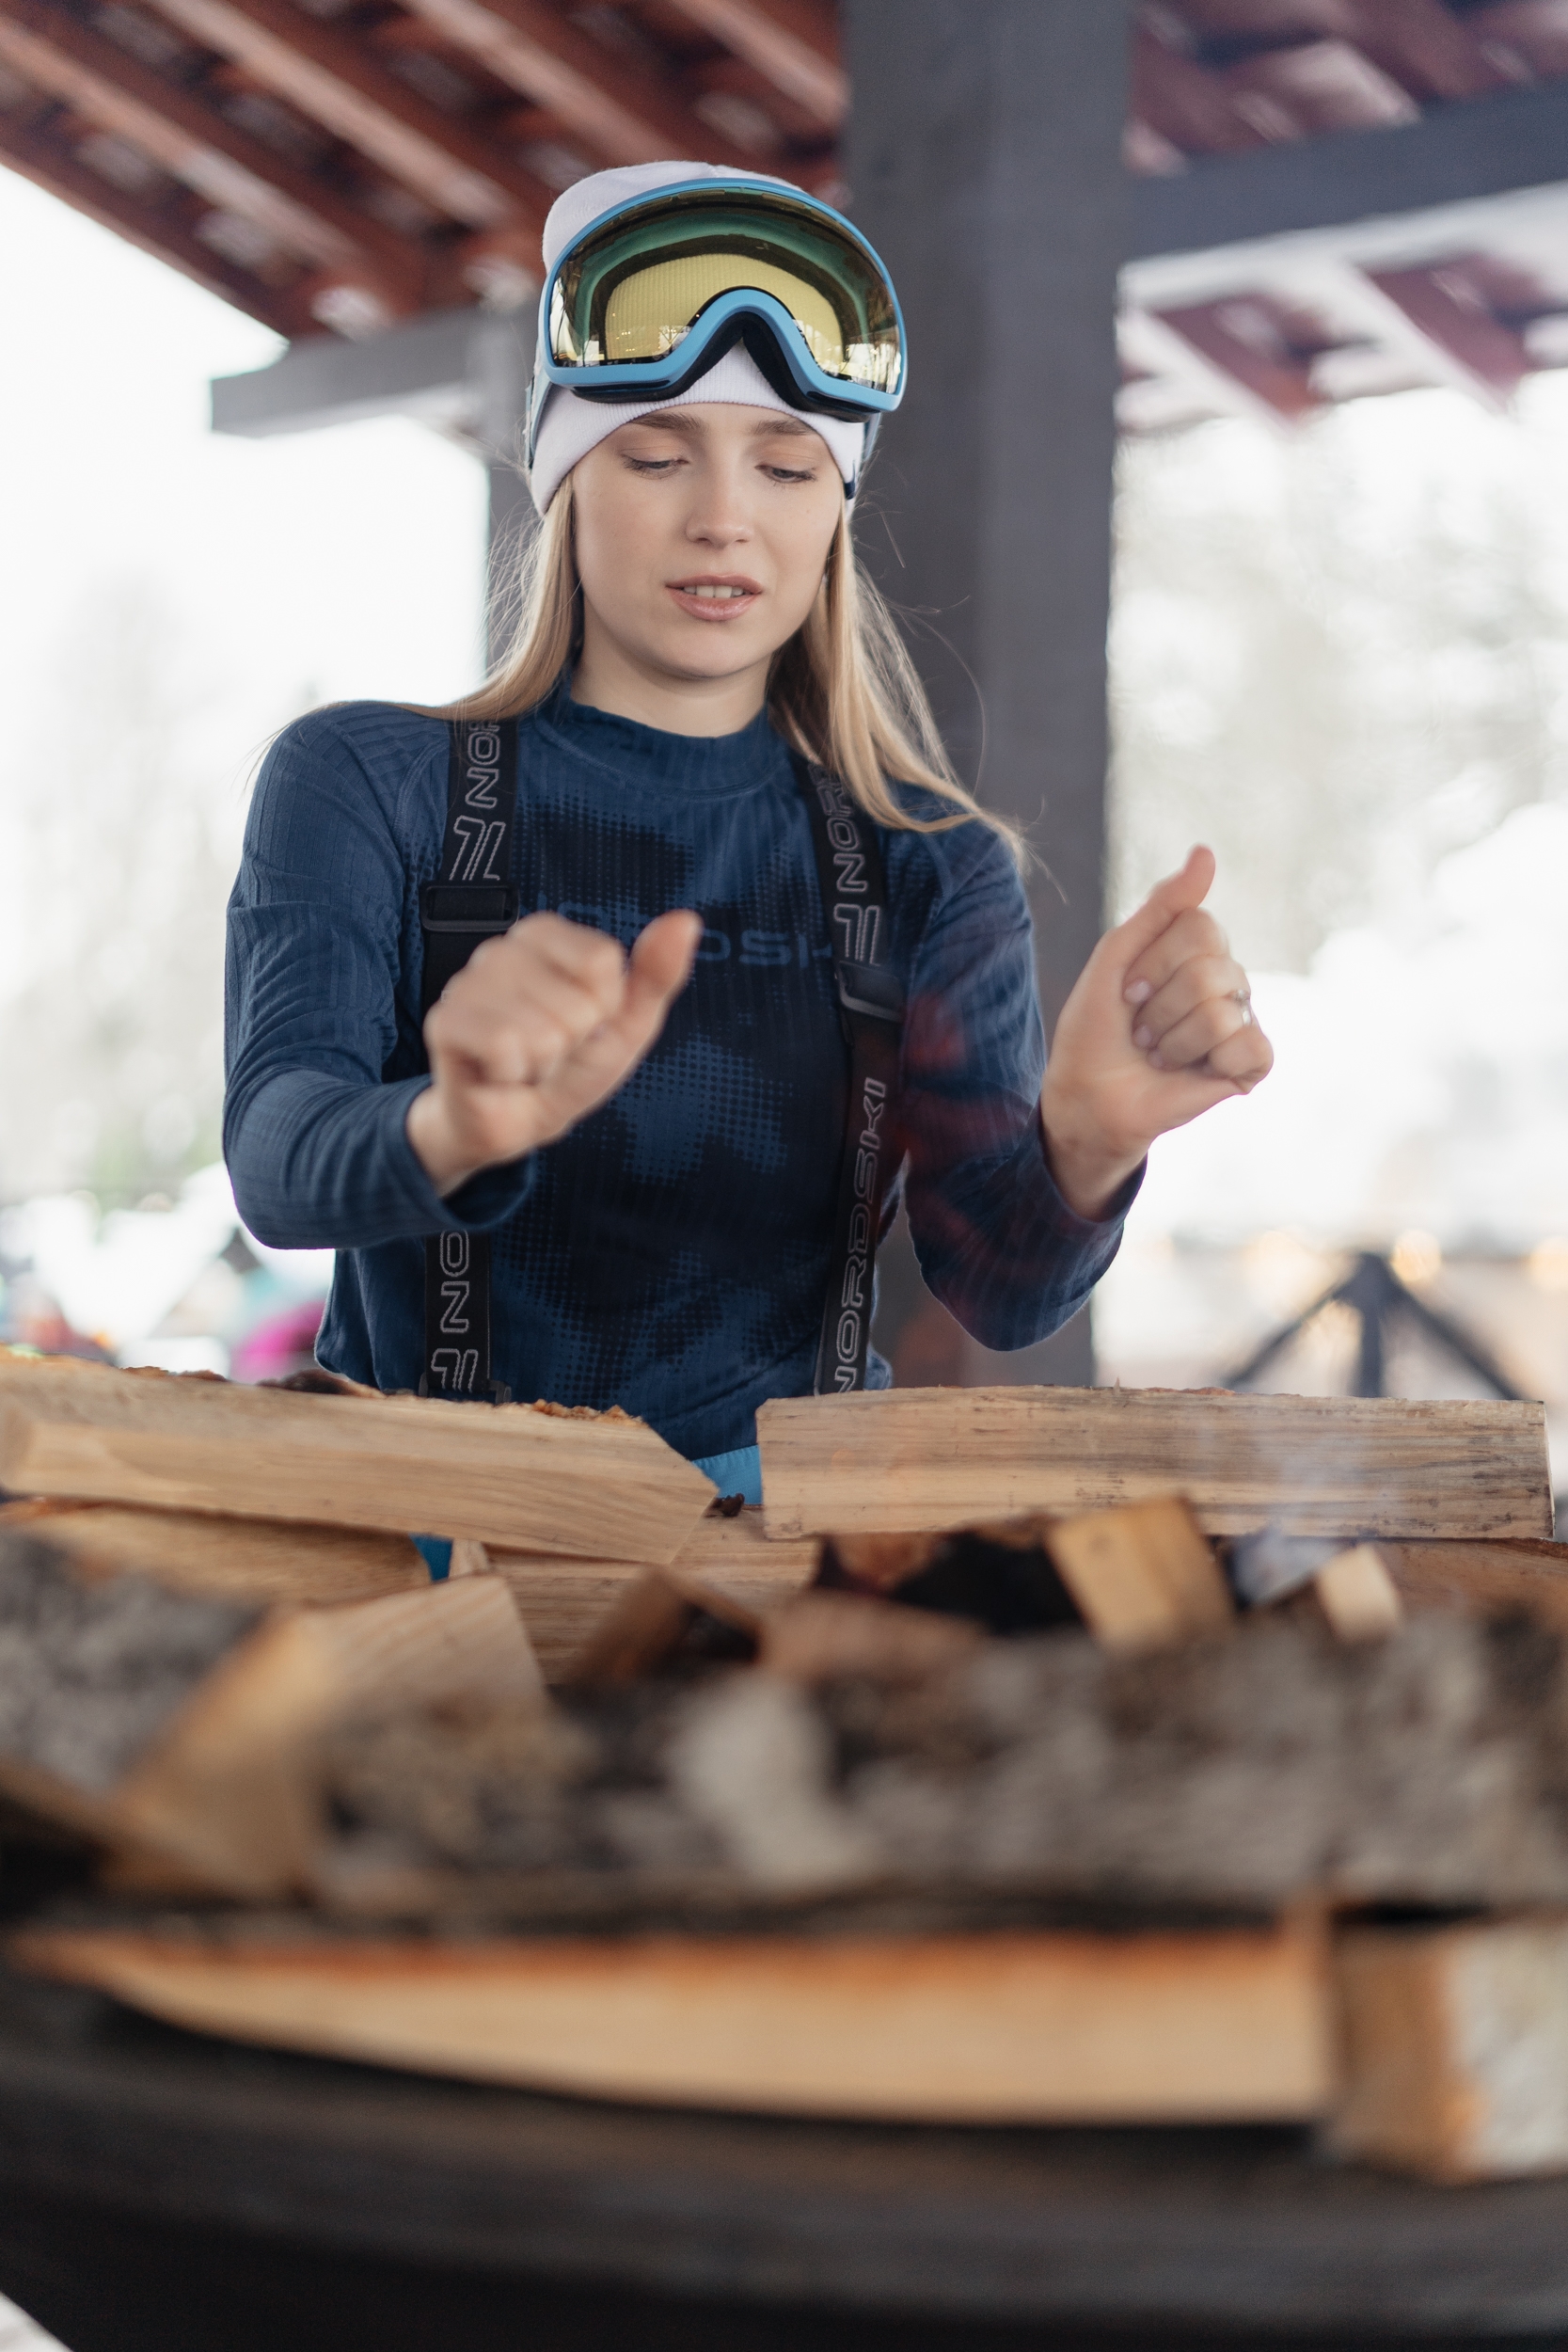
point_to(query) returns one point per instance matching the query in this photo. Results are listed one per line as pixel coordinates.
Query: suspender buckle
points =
(468, 907)
(871, 989)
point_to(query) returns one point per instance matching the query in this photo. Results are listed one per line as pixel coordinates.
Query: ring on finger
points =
(1244, 998)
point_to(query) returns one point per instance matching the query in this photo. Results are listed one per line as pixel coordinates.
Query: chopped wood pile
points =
(1067, 1763)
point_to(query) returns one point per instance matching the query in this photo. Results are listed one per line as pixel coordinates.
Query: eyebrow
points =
(676, 420)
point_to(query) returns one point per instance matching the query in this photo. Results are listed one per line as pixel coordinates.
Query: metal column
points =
(985, 164)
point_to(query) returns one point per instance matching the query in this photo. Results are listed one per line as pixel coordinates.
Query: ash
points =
(90, 1674)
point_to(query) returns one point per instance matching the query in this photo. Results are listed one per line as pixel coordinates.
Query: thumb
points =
(661, 961)
(1176, 894)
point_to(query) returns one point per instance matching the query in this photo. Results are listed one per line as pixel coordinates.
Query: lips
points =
(715, 596)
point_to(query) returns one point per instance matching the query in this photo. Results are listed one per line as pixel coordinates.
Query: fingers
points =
(1177, 895)
(526, 1001)
(1202, 980)
(1191, 935)
(660, 966)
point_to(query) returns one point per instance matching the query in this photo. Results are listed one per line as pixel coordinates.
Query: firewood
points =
(178, 1727)
(1357, 1595)
(828, 1636)
(255, 1561)
(916, 1458)
(1481, 1577)
(1141, 1576)
(562, 1600)
(1006, 2029)
(1001, 1576)
(1456, 2047)
(662, 1622)
(1252, 1771)
(599, 1485)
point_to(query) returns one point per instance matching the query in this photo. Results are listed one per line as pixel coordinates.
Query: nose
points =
(719, 517)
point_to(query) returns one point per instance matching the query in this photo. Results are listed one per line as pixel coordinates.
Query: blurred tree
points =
(124, 821)
(1337, 654)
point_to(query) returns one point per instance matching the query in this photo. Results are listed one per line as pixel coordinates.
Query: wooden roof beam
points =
(1435, 301)
(794, 44)
(51, 166)
(195, 145)
(332, 78)
(624, 116)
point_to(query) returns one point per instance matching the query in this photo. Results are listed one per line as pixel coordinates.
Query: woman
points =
(636, 1090)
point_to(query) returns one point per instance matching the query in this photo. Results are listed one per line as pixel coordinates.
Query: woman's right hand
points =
(539, 1028)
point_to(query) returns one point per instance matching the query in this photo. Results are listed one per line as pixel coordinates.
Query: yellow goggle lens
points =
(652, 311)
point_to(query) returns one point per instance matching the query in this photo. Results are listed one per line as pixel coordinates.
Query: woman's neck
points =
(607, 678)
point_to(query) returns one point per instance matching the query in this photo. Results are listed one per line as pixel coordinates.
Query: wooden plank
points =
(562, 1600)
(1008, 2028)
(910, 1458)
(1142, 1577)
(1456, 2048)
(599, 1487)
(661, 1619)
(225, 1559)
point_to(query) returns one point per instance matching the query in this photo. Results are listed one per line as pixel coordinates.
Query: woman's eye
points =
(652, 465)
(791, 473)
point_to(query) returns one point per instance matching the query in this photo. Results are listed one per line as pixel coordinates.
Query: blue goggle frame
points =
(723, 323)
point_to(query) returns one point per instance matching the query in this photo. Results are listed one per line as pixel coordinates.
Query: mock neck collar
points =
(644, 757)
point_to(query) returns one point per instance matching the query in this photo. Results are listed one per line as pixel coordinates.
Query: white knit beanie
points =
(570, 427)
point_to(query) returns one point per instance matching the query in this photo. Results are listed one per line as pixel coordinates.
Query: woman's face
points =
(702, 537)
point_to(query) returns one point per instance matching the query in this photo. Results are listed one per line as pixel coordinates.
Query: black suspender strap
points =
(471, 898)
(870, 1005)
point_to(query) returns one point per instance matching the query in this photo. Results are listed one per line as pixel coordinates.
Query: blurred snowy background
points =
(1340, 655)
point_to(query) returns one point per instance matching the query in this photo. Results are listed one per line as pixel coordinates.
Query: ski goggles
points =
(643, 301)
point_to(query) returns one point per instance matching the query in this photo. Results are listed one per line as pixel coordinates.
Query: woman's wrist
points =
(1088, 1168)
(435, 1146)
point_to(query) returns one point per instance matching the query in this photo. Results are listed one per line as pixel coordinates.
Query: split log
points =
(1007, 2028)
(1141, 1576)
(562, 1600)
(1483, 1579)
(256, 1561)
(1357, 1595)
(913, 1458)
(599, 1485)
(661, 1623)
(179, 1730)
(1456, 2048)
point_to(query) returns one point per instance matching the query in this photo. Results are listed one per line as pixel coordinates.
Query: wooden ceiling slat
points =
(1466, 329)
(333, 79)
(621, 116)
(794, 44)
(1427, 49)
(197, 145)
(53, 168)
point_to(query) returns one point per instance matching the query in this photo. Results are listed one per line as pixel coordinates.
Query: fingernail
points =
(1140, 993)
(1142, 1038)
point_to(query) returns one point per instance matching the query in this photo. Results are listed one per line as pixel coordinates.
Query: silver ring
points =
(1244, 998)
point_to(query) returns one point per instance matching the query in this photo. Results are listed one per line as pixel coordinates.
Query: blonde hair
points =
(843, 690)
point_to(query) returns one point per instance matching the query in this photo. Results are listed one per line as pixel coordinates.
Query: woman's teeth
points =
(705, 589)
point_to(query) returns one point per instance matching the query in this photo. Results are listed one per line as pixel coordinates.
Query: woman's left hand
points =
(1158, 1029)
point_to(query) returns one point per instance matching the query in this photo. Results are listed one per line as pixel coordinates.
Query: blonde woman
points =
(614, 1161)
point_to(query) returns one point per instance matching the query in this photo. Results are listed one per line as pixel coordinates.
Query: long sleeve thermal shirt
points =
(669, 1254)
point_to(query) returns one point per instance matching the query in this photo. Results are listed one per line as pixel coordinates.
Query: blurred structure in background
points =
(1341, 640)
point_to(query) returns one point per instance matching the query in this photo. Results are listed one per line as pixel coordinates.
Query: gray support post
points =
(985, 164)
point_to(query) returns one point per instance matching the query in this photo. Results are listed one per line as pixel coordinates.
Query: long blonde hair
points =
(842, 690)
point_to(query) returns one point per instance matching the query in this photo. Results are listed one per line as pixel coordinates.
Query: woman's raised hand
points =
(539, 1028)
(1158, 1029)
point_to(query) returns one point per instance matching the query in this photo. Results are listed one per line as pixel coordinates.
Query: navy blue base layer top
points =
(669, 1255)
